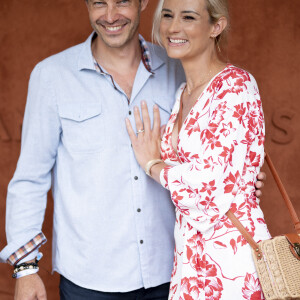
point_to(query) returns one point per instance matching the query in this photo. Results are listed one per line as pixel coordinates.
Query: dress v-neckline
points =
(172, 125)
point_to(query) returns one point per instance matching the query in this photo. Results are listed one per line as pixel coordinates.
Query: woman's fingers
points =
(138, 122)
(146, 118)
(156, 120)
(130, 131)
(145, 141)
(145, 124)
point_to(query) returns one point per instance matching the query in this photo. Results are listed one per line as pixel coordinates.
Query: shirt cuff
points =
(163, 176)
(27, 249)
(30, 256)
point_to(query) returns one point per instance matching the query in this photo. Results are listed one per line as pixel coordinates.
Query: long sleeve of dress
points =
(227, 152)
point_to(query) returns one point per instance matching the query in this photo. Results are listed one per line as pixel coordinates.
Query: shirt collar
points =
(87, 61)
(146, 58)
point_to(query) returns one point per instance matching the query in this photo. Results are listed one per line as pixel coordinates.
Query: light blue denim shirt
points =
(113, 225)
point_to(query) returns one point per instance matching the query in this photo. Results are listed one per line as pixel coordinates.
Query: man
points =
(113, 226)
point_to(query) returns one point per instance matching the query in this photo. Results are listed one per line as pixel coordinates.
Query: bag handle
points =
(287, 201)
(284, 194)
(247, 236)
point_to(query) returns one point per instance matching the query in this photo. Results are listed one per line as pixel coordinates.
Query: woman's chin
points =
(175, 54)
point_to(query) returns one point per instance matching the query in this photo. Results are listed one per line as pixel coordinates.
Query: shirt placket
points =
(137, 179)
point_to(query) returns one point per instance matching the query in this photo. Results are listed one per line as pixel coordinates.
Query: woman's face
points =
(185, 28)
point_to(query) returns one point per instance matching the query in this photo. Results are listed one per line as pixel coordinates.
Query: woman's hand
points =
(146, 141)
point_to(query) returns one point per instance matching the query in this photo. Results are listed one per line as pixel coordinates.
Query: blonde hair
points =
(216, 9)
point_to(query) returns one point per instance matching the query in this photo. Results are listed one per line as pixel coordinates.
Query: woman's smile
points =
(177, 42)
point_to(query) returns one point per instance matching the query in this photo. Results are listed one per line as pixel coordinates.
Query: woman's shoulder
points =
(233, 75)
(234, 80)
(234, 86)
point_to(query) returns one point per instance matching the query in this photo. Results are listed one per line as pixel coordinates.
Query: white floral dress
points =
(219, 154)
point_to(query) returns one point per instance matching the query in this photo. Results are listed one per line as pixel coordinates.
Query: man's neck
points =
(119, 59)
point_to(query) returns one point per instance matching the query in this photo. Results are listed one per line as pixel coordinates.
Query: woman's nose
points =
(174, 26)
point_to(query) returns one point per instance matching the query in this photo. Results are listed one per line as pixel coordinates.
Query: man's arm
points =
(27, 191)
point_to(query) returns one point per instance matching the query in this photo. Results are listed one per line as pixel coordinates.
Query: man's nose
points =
(111, 14)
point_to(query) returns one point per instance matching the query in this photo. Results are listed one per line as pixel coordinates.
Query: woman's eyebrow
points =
(189, 12)
(166, 9)
(183, 12)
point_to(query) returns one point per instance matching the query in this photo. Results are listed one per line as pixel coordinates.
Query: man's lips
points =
(112, 28)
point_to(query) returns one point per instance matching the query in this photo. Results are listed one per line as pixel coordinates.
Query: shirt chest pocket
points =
(82, 127)
(165, 110)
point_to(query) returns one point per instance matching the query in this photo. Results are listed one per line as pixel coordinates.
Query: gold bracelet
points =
(150, 164)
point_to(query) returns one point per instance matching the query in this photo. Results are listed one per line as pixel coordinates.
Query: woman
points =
(212, 151)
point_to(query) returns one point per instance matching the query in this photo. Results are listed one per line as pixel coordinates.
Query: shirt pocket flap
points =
(164, 105)
(79, 112)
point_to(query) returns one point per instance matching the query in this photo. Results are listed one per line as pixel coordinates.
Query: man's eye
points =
(98, 3)
(123, 2)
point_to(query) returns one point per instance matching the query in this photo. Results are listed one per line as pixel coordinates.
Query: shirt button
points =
(129, 112)
(138, 210)
(136, 178)
(141, 242)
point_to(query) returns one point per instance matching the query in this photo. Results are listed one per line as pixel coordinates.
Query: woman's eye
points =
(123, 1)
(188, 18)
(166, 16)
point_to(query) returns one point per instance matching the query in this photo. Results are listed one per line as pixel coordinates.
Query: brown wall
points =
(264, 40)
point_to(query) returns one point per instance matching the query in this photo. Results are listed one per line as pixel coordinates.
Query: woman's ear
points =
(219, 26)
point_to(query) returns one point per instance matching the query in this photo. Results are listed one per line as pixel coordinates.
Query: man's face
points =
(115, 21)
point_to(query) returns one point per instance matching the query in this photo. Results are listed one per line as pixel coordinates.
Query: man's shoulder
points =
(67, 58)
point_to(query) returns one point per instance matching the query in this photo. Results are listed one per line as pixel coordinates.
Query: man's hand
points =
(261, 177)
(30, 287)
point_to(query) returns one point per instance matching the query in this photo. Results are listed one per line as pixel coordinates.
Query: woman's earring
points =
(217, 43)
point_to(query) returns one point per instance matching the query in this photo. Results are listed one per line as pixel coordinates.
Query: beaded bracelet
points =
(25, 266)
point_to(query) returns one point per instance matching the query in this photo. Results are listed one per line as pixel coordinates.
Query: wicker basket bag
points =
(277, 260)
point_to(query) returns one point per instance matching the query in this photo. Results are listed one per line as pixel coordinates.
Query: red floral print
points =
(213, 289)
(220, 152)
(252, 290)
